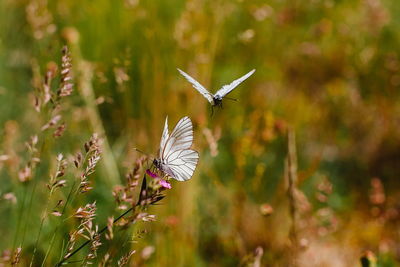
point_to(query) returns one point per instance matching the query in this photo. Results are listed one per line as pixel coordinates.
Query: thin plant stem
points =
(43, 219)
(66, 246)
(21, 210)
(70, 195)
(40, 227)
(29, 211)
(45, 135)
(291, 175)
(74, 195)
(98, 233)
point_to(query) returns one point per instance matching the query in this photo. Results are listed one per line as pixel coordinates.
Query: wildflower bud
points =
(10, 197)
(56, 213)
(151, 174)
(60, 183)
(60, 130)
(25, 174)
(59, 157)
(165, 184)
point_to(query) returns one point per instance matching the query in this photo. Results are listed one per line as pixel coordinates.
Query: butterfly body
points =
(159, 164)
(176, 159)
(215, 99)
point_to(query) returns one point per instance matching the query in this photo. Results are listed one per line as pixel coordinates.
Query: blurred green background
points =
(327, 69)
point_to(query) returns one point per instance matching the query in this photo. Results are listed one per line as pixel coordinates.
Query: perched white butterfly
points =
(176, 159)
(216, 99)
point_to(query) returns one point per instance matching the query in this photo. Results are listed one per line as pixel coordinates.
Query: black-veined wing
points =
(198, 86)
(181, 164)
(226, 89)
(178, 160)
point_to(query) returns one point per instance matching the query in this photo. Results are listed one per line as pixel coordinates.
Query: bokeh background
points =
(326, 71)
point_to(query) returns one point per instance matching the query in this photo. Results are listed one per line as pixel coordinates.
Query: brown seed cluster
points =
(26, 173)
(124, 260)
(16, 257)
(93, 154)
(66, 85)
(125, 195)
(55, 180)
(86, 229)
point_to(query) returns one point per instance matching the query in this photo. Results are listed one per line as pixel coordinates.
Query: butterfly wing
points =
(198, 86)
(178, 160)
(180, 138)
(165, 135)
(226, 89)
(181, 166)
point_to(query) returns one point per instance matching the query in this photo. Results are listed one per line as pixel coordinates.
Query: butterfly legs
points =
(229, 98)
(218, 104)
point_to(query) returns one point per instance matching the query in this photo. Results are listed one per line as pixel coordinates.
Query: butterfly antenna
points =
(148, 157)
(138, 150)
(229, 98)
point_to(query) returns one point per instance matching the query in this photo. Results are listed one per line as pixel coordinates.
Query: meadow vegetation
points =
(302, 171)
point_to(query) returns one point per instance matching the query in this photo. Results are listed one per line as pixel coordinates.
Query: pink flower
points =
(162, 182)
(165, 184)
(151, 174)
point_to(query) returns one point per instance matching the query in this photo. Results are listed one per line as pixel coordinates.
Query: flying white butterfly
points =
(176, 159)
(216, 99)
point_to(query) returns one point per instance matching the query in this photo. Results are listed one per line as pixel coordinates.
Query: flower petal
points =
(151, 174)
(165, 184)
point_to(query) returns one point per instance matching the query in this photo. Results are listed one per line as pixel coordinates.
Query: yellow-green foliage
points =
(327, 70)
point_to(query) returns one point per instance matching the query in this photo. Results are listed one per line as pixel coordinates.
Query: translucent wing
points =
(226, 89)
(180, 138)
(165, 135)
(198, 86)
(181, 166)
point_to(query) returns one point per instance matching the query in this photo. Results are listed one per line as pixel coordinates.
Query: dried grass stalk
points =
(66, 85)
(291, 177)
